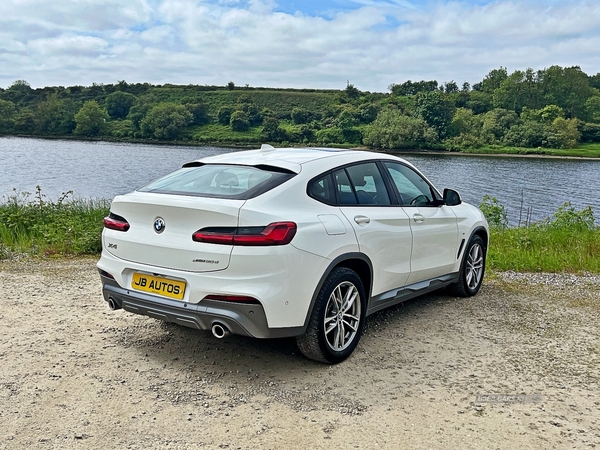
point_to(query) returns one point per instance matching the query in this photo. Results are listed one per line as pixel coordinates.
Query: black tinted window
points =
(322, 189)
(368, 184)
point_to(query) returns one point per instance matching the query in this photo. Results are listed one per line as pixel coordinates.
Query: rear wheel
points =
(472, 269)
(337, 319)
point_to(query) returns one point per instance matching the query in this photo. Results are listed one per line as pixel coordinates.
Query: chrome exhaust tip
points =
(112, 304)
(219, 330)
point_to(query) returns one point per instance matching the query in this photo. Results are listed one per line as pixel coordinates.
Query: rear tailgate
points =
(172, 247)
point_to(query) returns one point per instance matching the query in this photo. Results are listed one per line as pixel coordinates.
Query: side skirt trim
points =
(399, 295)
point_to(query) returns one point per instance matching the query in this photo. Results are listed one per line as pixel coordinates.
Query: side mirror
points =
(451, 197)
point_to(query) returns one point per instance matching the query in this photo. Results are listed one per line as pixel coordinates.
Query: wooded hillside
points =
(551, 108)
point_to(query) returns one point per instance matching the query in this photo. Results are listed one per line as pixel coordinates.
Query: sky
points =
(290, 44)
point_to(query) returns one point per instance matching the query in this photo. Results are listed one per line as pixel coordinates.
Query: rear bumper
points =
(245, 320)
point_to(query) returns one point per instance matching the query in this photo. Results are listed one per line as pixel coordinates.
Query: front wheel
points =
(472, 269)
(337, 320)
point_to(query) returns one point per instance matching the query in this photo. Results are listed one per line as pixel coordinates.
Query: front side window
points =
(413, 190)
(218, 180)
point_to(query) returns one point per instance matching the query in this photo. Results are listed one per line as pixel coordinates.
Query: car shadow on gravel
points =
(169, 343)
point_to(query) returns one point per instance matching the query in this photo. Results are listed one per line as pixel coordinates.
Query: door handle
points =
(418, 218)
(362, 220)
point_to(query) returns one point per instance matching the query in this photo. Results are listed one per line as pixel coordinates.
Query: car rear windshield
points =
(220, 181)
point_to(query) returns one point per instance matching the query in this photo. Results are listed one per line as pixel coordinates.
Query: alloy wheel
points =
(474, 269)
(342, 316)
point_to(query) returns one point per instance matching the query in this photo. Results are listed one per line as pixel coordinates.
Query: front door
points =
(434, 226)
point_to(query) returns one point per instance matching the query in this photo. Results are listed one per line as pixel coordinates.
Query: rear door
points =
(382, 229)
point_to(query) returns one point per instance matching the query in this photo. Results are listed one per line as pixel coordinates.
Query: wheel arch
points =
(462, 286)
(359, 263)
(482, 232)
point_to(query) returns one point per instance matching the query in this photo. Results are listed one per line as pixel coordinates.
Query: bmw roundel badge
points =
(159, 225)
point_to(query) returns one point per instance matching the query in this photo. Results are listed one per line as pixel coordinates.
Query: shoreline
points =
(493, 155)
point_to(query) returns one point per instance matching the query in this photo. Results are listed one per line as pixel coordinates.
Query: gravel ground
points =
(76, 375)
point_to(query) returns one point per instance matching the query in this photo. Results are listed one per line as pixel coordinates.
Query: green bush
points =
(224, 115)
(166, 121)
(239, 121)
(528, 134)
(121, 128)
(494, 212)
(567, 217)
(462, 142)
(392, 129)
(331, 135)
(90, 119)
(563, 133)
(118, 104)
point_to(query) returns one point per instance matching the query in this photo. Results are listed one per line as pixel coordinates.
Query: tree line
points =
(557, 107)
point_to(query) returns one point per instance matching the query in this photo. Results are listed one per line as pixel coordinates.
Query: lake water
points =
(106, 169)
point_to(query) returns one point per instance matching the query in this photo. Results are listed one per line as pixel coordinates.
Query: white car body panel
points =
(435, 240)
(384, 235)
(286, 303)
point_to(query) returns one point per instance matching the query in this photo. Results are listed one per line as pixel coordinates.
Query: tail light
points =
(277, 233)
(114, 222)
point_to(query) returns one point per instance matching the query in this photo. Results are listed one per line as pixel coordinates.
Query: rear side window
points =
(344, 188)
(368, 184)
(219, 181)
(322, 189)
(358, 184)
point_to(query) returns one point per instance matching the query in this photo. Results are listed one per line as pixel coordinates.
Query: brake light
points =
(114, 222)
(277, 233)
(233, 299)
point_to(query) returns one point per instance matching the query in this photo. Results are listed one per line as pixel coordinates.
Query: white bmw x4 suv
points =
(303, 242)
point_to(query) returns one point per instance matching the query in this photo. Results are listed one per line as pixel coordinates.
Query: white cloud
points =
(161, 33)
(212, 42)
(68, 44)
(83, 15)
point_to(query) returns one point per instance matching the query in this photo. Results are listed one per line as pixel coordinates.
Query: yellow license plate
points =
(158, 285)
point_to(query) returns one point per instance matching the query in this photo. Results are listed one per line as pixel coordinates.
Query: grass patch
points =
(567, 242)
(280, 101)
(37, 226)
(542, 249)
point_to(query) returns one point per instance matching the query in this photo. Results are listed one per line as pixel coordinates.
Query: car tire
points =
(472, 269)
(337, 320)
